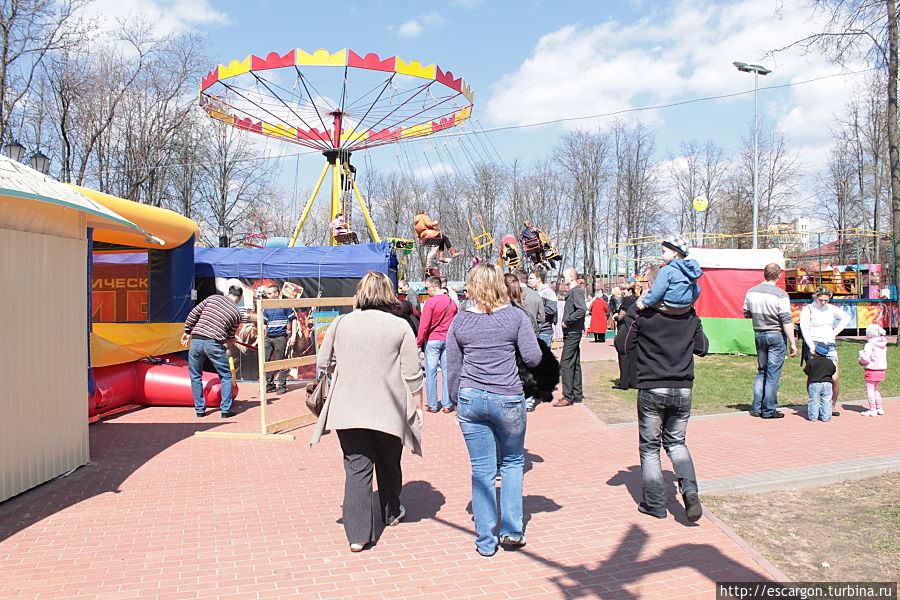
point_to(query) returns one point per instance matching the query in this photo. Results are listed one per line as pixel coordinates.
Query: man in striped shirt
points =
(770, 308)
(207, 327)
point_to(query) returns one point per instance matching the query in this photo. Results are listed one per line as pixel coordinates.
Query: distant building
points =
(793, 237)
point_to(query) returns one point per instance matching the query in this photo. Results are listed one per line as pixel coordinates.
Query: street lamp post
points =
(38, 160)
(757, 70)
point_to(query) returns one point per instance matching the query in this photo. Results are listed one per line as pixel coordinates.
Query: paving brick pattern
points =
(162, 514)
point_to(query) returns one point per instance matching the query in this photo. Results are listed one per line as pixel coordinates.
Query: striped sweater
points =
(215, 318)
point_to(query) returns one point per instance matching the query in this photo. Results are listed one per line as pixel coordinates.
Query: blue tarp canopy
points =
(350, 260)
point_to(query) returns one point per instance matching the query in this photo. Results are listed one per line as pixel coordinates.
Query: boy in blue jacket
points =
(675, 289)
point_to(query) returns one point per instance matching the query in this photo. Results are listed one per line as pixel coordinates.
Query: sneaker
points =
(487, 554)
(646, 510)
(869, 413)
(227, 414)
(511, 542)
(775, 415)
(880, 411)
(270, 387)
(692, 507)
(399, 517)
(201, 414)
(281, 390)
(357, 547)
(754, 414)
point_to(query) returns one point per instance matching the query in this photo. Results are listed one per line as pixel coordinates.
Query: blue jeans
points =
(215, 351)
(436, 353)
(493, 423)
(547, 337)
(770, 349)
(663, 415)
(818, 408)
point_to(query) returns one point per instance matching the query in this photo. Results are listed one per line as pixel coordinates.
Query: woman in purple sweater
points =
(483, 380)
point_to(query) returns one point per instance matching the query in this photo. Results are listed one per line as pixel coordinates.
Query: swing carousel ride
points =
(336, 103)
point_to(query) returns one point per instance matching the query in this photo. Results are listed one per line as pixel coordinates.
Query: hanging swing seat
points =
(346, 238)
(402, 246)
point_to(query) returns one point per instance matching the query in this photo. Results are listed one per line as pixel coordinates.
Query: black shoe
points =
(510, 543)
(281, 390)
(692, 507)
(659, 515)
(270, 387)
(227, 414)
(201, 414)
(754, 414)
(835, 413)
(775, 415)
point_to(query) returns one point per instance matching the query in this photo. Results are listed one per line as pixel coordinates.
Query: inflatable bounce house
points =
(299, 272)
(727, 275)
(141, 293)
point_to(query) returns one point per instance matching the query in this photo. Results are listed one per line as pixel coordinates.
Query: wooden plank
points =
(284, 437)
(277, 365)
(261, 357)
(298, 421)
(306, 302)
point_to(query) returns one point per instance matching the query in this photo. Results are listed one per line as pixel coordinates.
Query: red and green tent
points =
(727, 275)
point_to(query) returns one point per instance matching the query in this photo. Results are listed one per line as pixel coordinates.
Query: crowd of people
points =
(492, 349)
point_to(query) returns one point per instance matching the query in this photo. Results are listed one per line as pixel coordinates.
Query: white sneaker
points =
(869, 413)
(880, 411)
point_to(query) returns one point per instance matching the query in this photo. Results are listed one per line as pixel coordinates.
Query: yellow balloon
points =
(700, 203)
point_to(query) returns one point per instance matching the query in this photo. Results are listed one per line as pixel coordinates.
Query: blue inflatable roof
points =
(350, 260)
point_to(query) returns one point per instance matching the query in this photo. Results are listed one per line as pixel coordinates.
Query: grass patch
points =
(724, 383)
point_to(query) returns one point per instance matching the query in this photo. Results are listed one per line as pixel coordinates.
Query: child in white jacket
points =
(874, 357)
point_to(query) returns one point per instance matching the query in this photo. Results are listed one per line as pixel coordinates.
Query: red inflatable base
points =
(167, 384)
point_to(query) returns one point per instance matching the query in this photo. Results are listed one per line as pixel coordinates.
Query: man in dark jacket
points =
(573, 328)
(663, 346)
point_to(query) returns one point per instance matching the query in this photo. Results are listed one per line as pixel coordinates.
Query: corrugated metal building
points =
(44, 253)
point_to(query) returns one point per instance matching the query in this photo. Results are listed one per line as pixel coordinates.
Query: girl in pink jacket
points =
(874, 357)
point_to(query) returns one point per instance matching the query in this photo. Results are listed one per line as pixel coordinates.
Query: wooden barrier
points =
(270, 430)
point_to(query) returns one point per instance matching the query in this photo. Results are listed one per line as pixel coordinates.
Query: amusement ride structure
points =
(372, 102)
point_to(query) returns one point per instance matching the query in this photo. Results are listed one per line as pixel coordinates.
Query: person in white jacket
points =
(821, 322)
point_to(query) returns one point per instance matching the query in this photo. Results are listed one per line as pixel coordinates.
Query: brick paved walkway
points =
(161, 514)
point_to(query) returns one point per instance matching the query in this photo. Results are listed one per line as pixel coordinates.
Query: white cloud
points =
(675, 53)
(167, 16)
(466, 3)
(434, 170)
(415, 27)
(410, 29)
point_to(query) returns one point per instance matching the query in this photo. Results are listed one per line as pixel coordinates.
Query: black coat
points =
(540, 381)
(663, 346)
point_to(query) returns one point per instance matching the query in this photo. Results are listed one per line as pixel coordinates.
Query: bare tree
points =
(236, 184)
(698, 172)
(584, 160)
(30, 31)
(868, 28)
(636, 190)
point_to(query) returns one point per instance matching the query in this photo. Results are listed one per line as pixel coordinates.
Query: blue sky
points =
(534, 61)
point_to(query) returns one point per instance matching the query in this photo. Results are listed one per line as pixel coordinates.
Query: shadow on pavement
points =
(631, 479)
(117, 451)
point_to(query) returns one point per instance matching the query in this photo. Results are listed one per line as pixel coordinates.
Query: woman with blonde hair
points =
(374, 403)
(484, 381)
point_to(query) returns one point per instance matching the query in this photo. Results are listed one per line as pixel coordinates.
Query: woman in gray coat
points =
(371, 403)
